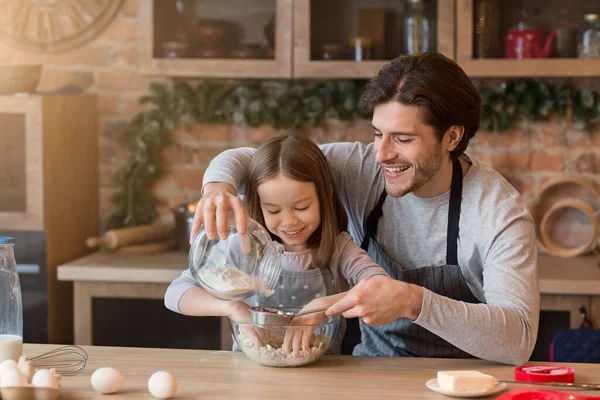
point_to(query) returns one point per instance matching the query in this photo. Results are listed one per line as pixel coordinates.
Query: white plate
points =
(433, 385)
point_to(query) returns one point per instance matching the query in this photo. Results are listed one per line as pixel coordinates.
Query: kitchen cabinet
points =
(318, 38)
(245, 39)
(48, 198)
(487, 43)
(326, 27)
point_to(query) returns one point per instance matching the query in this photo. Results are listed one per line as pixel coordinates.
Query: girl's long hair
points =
(298, 157)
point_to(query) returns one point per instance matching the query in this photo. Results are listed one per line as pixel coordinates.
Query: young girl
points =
(290, 191)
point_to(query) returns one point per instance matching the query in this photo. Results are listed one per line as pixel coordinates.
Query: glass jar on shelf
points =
(360, 48)
(418, 29)
(11, 303)
(178, 43)
(239, 266)
(331, 51)
(588, 37)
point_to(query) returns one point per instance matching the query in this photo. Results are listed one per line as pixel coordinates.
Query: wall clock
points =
(54, 26)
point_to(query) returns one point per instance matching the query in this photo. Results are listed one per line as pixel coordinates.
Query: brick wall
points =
(107, 66)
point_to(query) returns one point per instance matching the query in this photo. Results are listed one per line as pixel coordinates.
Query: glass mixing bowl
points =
(264, 344)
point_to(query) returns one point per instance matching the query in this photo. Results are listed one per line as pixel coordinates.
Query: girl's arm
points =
(354, 263)
(184, 296)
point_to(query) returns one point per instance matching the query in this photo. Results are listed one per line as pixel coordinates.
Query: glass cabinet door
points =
(213, 38)
(533, 38)
(355, 38)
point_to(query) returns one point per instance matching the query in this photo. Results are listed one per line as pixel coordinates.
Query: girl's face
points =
(291, 210)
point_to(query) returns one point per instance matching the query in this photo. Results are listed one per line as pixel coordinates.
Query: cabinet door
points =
(525, 38)
(21, 190)
(594, 311)
(555, 302)
(213, 38)
(355, 38)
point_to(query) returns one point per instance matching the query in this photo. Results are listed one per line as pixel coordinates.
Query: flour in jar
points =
(228, 279)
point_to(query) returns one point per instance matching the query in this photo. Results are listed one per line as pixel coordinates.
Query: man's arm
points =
(231, 166)
(505, 328)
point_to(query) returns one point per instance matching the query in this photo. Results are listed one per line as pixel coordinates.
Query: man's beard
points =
(422, 173)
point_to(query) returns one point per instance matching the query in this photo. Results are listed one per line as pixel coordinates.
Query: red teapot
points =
(522, 42)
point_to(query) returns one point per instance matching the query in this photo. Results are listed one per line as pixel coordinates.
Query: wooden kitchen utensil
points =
(555, 190)
(149, 248)
(116, 238)
(549, 241)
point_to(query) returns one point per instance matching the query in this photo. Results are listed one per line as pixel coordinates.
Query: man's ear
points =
(453, 137)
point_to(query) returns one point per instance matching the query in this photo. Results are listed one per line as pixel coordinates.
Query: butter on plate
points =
(465, 381)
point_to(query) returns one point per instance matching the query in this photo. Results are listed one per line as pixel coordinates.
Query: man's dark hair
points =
(437, 85)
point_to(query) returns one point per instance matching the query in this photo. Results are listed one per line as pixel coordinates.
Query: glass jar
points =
(238, 267)
(11, 304)
(418, 30)
(178, 43)
(588, 37)
(360, 48)
(331, 51)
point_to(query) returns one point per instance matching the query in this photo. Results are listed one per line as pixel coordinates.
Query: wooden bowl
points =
(19, 78)
(556, 190)
(567, 252)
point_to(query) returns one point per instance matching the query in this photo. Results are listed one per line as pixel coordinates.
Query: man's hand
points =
(219, 199)
(380, 300)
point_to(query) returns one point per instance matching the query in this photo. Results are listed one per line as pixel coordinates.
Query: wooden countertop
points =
(216, 375)
(575, 276)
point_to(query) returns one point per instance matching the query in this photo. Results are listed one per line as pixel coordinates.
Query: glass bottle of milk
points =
(11, 304)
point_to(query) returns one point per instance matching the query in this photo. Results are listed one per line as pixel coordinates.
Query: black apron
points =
(402, 337)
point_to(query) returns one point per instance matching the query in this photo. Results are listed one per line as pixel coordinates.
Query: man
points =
(453, 234)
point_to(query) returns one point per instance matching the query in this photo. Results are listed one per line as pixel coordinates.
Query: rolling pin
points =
(115, 238)
(149, 248)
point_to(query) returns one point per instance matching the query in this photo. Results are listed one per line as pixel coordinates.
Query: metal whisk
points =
(66, 360)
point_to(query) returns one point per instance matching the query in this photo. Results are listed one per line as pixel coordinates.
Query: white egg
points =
(8, 364)
(45, 378)
(11, 377)
(107, 380)
(162, 385)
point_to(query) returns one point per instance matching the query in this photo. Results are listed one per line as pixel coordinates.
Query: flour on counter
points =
(272, 354)
(228, 279)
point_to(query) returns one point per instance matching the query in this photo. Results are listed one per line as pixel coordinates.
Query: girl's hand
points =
(240, 311)
(299, 337)
(217, 202)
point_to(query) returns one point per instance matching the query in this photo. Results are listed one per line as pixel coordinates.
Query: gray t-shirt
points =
(496, 247)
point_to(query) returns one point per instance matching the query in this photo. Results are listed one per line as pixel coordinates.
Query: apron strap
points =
(454, 213)
(372, 221)
(453, 216)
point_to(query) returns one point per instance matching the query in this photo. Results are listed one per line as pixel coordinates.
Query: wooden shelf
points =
(551, 67)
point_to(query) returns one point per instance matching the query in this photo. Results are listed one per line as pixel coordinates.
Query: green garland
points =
(300, 104)
(282, 104)
(529, 100)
